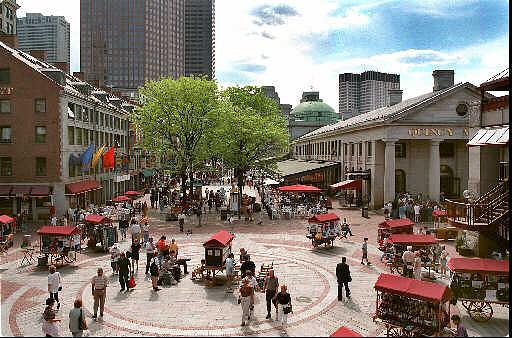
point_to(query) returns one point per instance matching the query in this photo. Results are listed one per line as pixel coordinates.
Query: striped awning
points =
(490, 136)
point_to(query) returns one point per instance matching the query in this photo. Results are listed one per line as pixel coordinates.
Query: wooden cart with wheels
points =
(393, 226)
(408, 307)
(478, 283)
(56, 245)
(216, 249)
(100, 232)
(323, 229)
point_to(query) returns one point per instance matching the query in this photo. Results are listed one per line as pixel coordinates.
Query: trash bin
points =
(42, 261)
(224, 214)
(364, 212)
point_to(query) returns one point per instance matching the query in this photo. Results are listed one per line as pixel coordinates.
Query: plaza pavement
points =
(194, 309)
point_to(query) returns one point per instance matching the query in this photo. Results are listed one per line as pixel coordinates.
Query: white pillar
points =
(389, 170)
(434, 174)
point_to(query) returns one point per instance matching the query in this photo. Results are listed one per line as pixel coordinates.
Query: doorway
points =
(400, 181)
(446, 180)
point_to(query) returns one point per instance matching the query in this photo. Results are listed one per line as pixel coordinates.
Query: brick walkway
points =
(191, 308)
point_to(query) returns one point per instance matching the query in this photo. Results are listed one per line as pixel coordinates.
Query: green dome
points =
(314, 111)
(312, 107)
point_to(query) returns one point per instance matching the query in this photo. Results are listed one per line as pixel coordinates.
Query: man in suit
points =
(343, 276)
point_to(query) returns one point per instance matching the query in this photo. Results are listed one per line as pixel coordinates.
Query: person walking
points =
(77, 323)
(246, 291)
(135, 230)
(49, 327)
(271, 288)
(443, 259)
(230, 265)
(135, 250)
(173, 247)
(346, 228)
(343, 276)
(284, 305)
(417, 209)
(114, 257)
(199, 212)
(123, 225)
(99, 287)
(408, 260)
(150, 249)
(154, 270)
(417, 265)
(145, 230)
(54, 284)
(124, 271)
(364, 248)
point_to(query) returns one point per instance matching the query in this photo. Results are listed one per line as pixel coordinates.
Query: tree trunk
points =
(183, 185)
(240, 181)
(191, 178)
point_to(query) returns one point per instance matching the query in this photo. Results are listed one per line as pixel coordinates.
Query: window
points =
(85, 136)
(5, 106)
(5, 76)
(5, 166)
(78, 136)
(71, 110)
(40, 166)
(85, 114)
(40, 134)
(71, 135)
(5, 134)
(446, 149)
(369, 149)
(345, 149)
(78, 112)
(40, 105)
(352, 149)
(400, 150)
(360, 149)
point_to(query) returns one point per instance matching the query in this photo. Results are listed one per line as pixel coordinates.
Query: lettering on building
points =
(6, 90)
(415, 132)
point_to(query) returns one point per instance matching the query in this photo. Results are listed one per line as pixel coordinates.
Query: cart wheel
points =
(67, 259)
(466, 304)
(394, 332)
(480, 311)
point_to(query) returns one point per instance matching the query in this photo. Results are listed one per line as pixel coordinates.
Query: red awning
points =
(5, 190)
(299, 188)
(21, 190)
(96, 219)
(345, 332)
(132, 193)
(220, 239)
(121, 199)
(40, 191)
(478, 265)
(58, 230)
(411, 239)
(397, 223)
(81, 187)
(323, 218)
(6, 219)
(413, 288)
(348, 185)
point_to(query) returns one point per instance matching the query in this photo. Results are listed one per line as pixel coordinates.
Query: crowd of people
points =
(415, 208)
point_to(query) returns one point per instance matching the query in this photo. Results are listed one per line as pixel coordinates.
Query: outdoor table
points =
(28, 256)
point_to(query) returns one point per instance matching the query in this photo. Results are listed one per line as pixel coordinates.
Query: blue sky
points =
(298, 44)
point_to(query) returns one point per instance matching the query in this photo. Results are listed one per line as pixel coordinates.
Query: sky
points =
(297, 45)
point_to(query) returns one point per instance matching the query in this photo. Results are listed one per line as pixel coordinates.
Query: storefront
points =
(317, 173)
(81, 194)
(31, 201)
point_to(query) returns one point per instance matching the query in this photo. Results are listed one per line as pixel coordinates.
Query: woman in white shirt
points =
(54, 284)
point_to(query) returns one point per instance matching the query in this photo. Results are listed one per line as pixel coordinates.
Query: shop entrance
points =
(400, 181)
(446, 180)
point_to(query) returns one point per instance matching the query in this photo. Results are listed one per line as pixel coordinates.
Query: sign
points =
(438, 132)
(121, 178)
(6, 90)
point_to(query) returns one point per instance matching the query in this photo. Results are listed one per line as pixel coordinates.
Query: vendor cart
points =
(100, 231)
(56, 245)
(323, 229)
(7, 229)
(418, 242)
(216, 249)
(409, 307)
(478, 283)
(393, 226)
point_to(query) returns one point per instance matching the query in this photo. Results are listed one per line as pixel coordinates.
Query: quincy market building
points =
(416, 146)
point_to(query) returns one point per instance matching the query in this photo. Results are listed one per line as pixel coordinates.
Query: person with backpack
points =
(343, 276)
(154, 270)
(77, 323)
(123, 265)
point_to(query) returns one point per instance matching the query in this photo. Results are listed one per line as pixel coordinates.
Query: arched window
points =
(400, 181)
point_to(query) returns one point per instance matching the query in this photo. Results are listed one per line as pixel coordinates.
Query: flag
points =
(97, 156)
(108, 159)
(74, 160)
(86, 157)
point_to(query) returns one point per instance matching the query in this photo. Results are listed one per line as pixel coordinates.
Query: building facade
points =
(48, 33)
(416, 146)
(125, 43)
(8, 10)
(361, 93)
(200, 38)
(47, 120)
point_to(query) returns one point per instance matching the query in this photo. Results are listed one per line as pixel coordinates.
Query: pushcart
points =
(418, 242)
(393, 226)
(100, 230)
(323, 229)
(56, 245)
(216, 249)
(478, 283)
(409, 307)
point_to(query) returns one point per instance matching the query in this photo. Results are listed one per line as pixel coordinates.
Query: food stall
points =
(409, 307)
(216, 249)
(56, 245)
(393, 226)
(478, 283)
(418, 242)
(323, 229)
(345, 332)
(100, 231)
(7, 227)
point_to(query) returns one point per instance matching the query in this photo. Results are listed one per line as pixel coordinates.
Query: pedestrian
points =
(53, 220)
(145, 209)
(199, 212)
(181, 220)
(247, 265)
(114, 257)
(253, 283)
(99, 290)
(77, 322)
(417, 212)
(417, 266)
(230, 265)
(346, 228)
(150, 249)
(154, 270)
(364, 248)
(408, 261)
(271, 288)
(54, 284)
(343, 276)
(443, 259)
(284, 306)
(245, 300)
(135, 250)
(49, 327)
(461, 329)
(135, 230)
(161, 245)
(123, 225)
(124, 271)
(145, 230)
(173, 247)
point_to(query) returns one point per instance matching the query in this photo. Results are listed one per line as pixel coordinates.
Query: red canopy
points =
(96, 219)
(412, 239)
(58, 230)
(345, 332)
(478, 265)
(132, 193)
(397, 223)
(220, 239)
(323, 218)
(414, 288)
(121, 199)
(83, 186)
(348, 185)
(299, 188)
(438, 213)
(6, 219)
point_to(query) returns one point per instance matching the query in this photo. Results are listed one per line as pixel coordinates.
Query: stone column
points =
(389, 170)
(434, 171)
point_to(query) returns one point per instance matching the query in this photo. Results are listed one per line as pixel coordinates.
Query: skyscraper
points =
(123, 43)
(361, 93)
(200, 37)
(48, 33)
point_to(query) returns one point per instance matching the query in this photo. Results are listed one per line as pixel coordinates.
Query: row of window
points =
(82, 136)
(6, 166)
(39, 105)
(81, 113)
(6, 134)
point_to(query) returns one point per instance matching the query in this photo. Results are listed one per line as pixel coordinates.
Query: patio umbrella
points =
(299, 188)
(121, 199)
(132, 193)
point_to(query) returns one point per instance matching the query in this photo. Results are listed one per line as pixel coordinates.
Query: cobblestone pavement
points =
(191, 308)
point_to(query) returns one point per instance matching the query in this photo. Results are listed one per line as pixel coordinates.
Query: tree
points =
(252, 129)
(176, 119)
